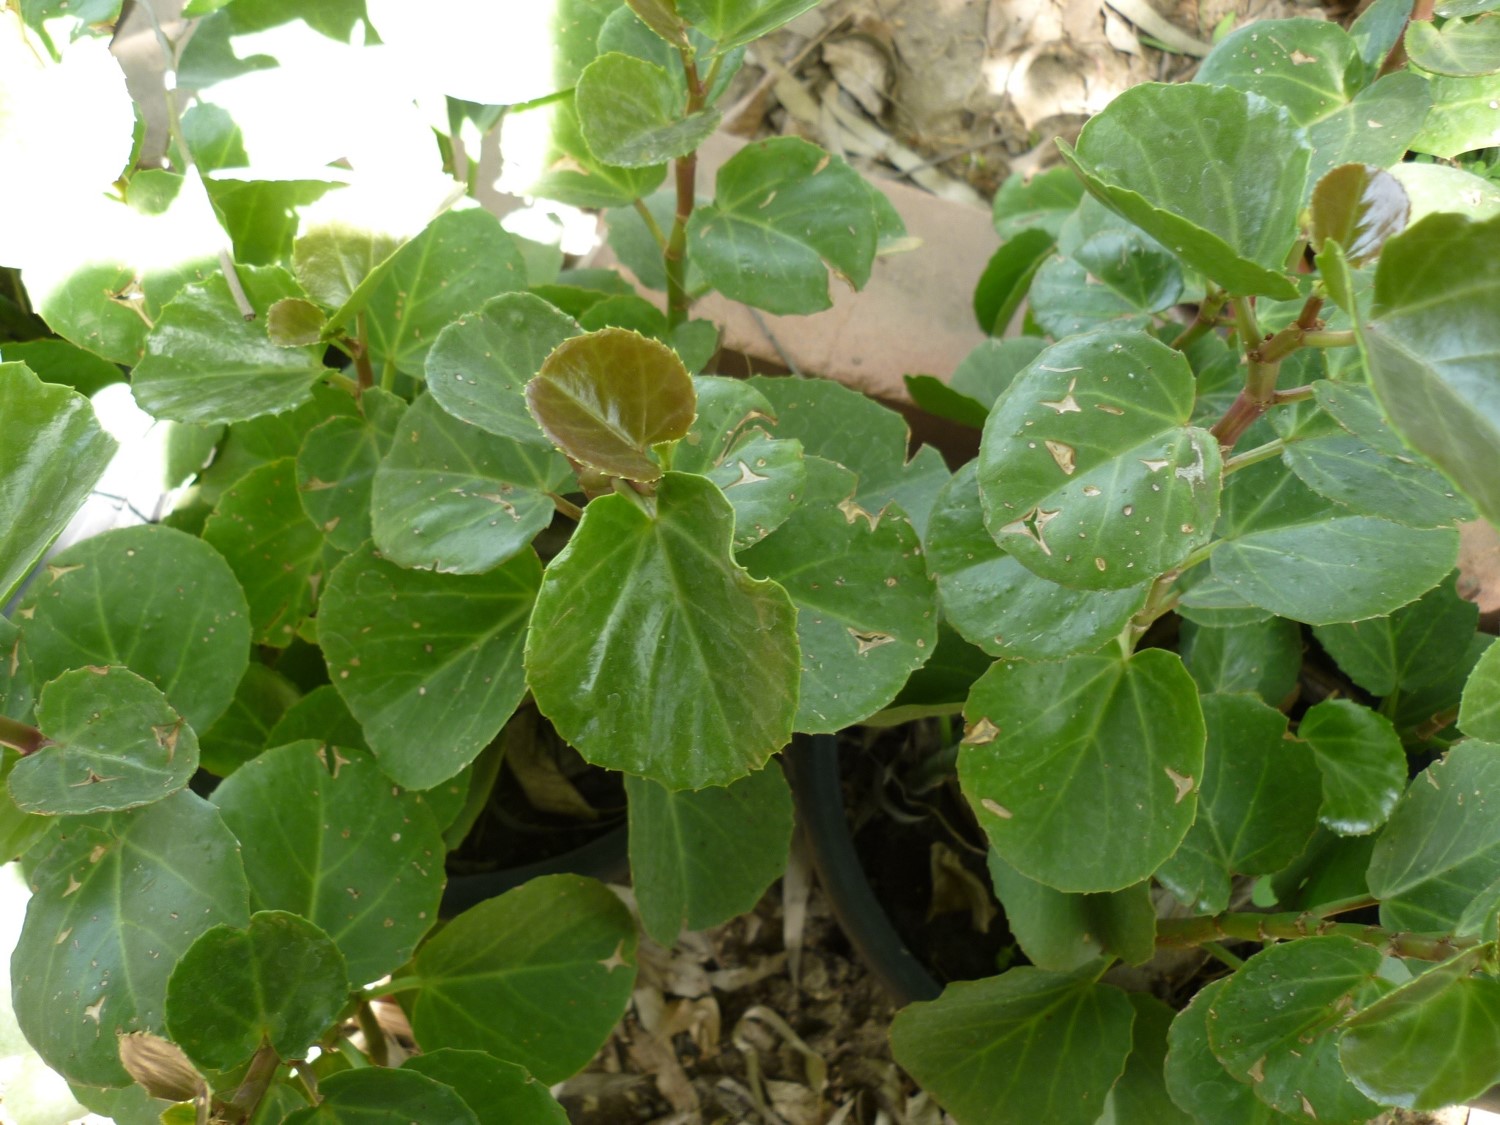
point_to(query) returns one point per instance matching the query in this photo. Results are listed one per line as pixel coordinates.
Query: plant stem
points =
(361, 352)
(1329, 339)
(1429, 730)
(1159, 600)
(1296, 394)
(1245, 324)
(257, 1081)
(375, 1045)
(1221, 954)
(1203, 323)
(566, 507)
(1177, 932)
(1254, 456)
(20, 737)
(651, 224)
(685, 171)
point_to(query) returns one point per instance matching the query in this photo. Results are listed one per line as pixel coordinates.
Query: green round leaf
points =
(1273, 1025)
(1043, 200)
(382, 1096)
(574, 176)
(784, 209)
(1061, 931)
(1290, 551)
(1007, 278)
(1198, 1082)
(52, 452)
(57, 361)
(732, 443)
(430, 664)
(633, 115)
(280, 981)
(330, 260)
(499, 1093)
(1460, 47)
(1065, 301)
(114, 742)
(327, 836)
(867, 438)
(1359, 206)
(986, 371)
(537, 976)
(687, 673)
(1363, 765)
(699, 858)
(1212, 203)
(1310, 66)
(1434, 188)
(1257, 804)
(295, 323)
(1431, 1043)
(161, 603)
(1479, 714)
(460, 261)
(1089, 473)
(263, 697)
(606, 398)
(451, 497)
(205, 363)
(1141, 1093)
(1055, 754)
(1027, 1045)
(336, 468)
(1428, 341)
(118, 899)
(279, 555)
(1264, 657)
(320, 715)
(866, 607)
(1441, 847)
(480, 364)
(18, 830)
(999, 605)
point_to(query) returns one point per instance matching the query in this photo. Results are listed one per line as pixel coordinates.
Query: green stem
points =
(392, 987)
(19, 737)
(1246, 326)
(1203, 323)
(685, 171)
(1296, 394)
(1254, 456)
(1222, 954)
(375, 1044)
(1329, 339)
(651, 224)
(258, 1078)
(1159, 600)
(361, 351)
(1179, 932)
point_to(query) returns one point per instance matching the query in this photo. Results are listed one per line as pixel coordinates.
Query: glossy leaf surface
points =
(1363, 765)
(332, 259)
(1089, 473)
(606, 398)
(1000, 605)
(700, 858)
(498, 1092)
(681, 667)
(205, 363)
(102, 602)
(279, 556)
(1430, 1043)
(1359, 206)
(1141, 1093)
(1257, 805)
(1059, 931)
(1263, 657)
(733, 442)
(52, 452)
(453, 498)
(336, 467)
(1430, 345)
(128, 893)
(537, 976)
(1028, 1045)
(280, 980)
(241, 732)
(1055, 754)
(1459, 48)
(460, 261)
(866, 606)
(114, 743)
(1198, 1082)
(1416, 646)
(1479, 715)
(1212, 204)
(1441, 848)
(327, 836)
(633, 115)
(480, 364)
(1272, 1024)
(382, 1096)
(784, 212)
(574, 176)
(430, 664)
(1295, 554)
(734, 22)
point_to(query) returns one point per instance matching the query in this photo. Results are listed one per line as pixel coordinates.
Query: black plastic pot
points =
(812, 767)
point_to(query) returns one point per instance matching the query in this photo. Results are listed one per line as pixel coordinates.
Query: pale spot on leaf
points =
(747, 476)
(1155, 465)
(994, 808)
(1064, 455)
(616, 960)
(864, 642)
(1181, 783)
(980, 732)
